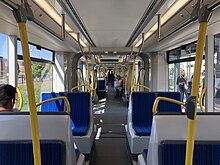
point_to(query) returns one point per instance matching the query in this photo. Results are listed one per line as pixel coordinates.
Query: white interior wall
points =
(209, 73)
(12, 60)
(58, 72)
(159, 72)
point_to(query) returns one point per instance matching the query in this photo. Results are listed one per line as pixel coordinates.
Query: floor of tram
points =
(110, 142)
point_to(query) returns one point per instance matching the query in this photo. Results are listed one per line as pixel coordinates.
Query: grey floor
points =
(110, 143)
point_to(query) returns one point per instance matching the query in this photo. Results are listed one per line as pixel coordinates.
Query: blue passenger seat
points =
(165, 106)
(205, 153)
(142, 103)
(21, 153)
(80, 109)
(54, 106)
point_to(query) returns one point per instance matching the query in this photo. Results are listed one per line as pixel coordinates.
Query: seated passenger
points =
(118, 86)
(7, 98)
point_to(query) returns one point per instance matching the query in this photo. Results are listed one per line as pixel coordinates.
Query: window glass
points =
(42, 73)
(183, 58)
(217, 74)
(188, 67)
(37, 52)
(3, 59)
(183, 52)
(43, 79)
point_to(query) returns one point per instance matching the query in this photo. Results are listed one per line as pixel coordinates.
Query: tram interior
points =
(97, 82)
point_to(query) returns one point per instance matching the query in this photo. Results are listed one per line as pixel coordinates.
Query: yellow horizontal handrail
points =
(20, 98)
(55, 99)
(139, 85)
(200, 99)
(154, 110)
(79, 86)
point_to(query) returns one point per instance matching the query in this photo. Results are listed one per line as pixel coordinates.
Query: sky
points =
(3, 46)
(40, 54)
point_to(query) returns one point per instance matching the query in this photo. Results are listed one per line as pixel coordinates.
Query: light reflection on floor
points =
(99, 108)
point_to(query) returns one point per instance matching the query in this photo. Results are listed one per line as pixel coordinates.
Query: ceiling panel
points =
(110, 22)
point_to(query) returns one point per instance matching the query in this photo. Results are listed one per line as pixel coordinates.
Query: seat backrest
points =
(101, 85)
(205, 152)
(53, 106)
(55, 134)
(20, 152)
(142, 103)
(80, 108)
(165, 106)
(175, 126)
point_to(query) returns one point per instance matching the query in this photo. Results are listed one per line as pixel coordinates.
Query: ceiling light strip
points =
(53, 14)
(166, 16)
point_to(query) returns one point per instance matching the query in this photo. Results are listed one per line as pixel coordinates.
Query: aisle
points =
(110, 143)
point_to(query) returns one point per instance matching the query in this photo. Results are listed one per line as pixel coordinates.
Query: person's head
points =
(182, 72)
(7, 96)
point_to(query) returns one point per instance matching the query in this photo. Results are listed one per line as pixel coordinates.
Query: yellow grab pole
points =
(88, 74)
(142, 79)
(132, 75)
(200, 99)
(20, 98)
(195, 91)
(155, 105)
(31, 96)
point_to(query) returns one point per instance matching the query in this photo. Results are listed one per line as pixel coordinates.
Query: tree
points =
(37, 69)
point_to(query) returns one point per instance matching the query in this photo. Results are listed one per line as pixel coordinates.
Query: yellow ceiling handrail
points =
(200, 99)
(80, 86)
(139, 85)
(68, 109)
(20, 98)
(154, 109)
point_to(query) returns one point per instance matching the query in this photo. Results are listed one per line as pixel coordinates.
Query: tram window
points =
(184, 52)
(3, 59)
(37, 52)
(216, 85)
(42, 70)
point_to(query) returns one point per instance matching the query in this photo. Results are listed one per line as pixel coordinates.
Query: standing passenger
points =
(181, 82)
(7, 97)
(189, 90)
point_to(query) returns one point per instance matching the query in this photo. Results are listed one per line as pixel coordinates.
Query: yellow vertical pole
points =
(31, 96)
(142, 79)
(195, 91)
(88, 74)
(133, 76)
